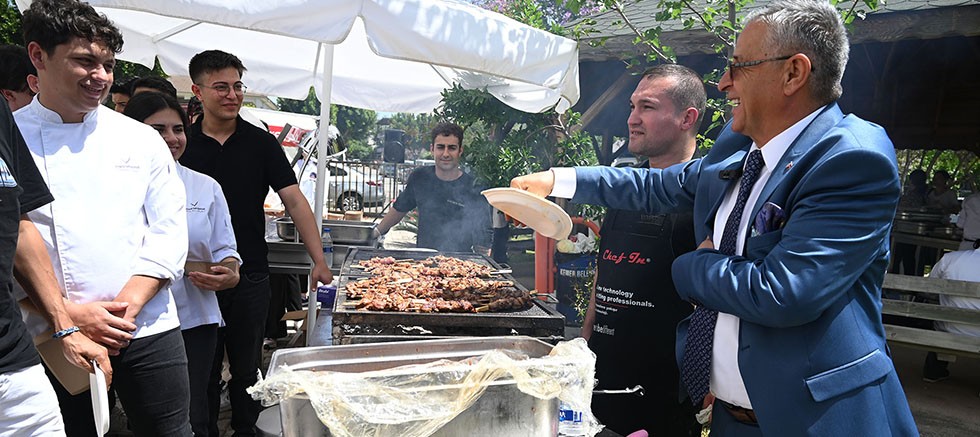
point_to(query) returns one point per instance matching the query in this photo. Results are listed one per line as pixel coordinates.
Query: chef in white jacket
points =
(117, 230)
(211, 239)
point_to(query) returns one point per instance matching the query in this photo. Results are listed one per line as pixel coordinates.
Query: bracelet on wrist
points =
(65, 332)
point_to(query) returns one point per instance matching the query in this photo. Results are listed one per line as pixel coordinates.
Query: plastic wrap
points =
(416, 400)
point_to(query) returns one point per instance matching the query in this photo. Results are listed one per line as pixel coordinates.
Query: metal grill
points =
(363, 326)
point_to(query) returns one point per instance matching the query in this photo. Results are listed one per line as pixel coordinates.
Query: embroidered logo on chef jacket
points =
(192, 207)
(6, 178)
(125, 164)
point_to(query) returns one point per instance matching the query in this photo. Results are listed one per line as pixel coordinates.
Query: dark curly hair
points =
(449, 130)
(51, 23)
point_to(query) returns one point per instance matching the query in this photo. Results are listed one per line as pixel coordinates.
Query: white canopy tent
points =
(387, 55)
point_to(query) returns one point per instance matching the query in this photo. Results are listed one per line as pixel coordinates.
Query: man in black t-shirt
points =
(453, 215)
(246, 161)
(29, 404)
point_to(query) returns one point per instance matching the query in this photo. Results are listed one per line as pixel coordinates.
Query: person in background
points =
(15, 69)
(29, 403)
(914, 192)
(116, 265)
(786, 338)
(665, 112)
(969, 221)
(246, 161)
(960, 265)
(941, 196)
(943, 199)
(913, 198)
(120, 94)
(453, 215)
(211, 240)
(152, 83)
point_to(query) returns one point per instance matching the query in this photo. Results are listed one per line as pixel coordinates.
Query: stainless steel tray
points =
(288, 252)
(341, 231)
(908, 227)
(351, 232)
(920, 216)
(502, 411)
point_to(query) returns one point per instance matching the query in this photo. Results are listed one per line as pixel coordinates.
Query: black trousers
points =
(244, 308)
(199, 344)
(286, 289)
(150, 378)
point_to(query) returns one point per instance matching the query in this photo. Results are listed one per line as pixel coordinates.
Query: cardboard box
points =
(205, 267)
(298, 315)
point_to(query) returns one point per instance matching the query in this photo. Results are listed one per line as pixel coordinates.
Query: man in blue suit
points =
(787, 338)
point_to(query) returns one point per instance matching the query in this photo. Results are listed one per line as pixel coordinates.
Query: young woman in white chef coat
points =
(211, 240)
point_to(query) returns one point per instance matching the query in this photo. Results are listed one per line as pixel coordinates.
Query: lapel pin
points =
(789, 166)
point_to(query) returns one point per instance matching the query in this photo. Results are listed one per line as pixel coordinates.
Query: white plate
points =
(100, 399)
(537, 213)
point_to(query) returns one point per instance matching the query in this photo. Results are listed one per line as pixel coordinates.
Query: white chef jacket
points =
(118, 209)
(211, 240)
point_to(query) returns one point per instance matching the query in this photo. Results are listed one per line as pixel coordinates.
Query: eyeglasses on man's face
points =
(732, 65)
(223, 89)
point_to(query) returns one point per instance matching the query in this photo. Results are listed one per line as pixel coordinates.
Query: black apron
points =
(637, 312)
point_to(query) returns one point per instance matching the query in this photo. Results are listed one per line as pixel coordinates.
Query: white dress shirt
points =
(726, 380)
(211, 240)
(969, 221)
(961, 266)
(118, 209)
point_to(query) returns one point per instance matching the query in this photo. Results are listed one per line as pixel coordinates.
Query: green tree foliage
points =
(310, 105)
(10, 28)
(502, 142)
(963, 166)
(11, 32)
(126, 71)
(417, 128)
(356, 125)
(722, 19)
(359, 150)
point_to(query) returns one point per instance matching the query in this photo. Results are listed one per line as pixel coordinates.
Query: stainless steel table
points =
(926, 241)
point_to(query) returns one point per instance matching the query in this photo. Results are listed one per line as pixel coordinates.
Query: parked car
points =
(349, 188)
(401, 171)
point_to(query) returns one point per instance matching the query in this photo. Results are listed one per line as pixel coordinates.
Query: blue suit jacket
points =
(812, 349)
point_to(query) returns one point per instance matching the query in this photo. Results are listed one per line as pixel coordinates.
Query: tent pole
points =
(322, 174)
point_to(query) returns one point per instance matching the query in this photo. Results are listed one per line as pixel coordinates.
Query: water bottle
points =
(569, 421)
(327, 247)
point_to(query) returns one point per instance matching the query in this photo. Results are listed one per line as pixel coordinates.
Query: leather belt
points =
(741, 414)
